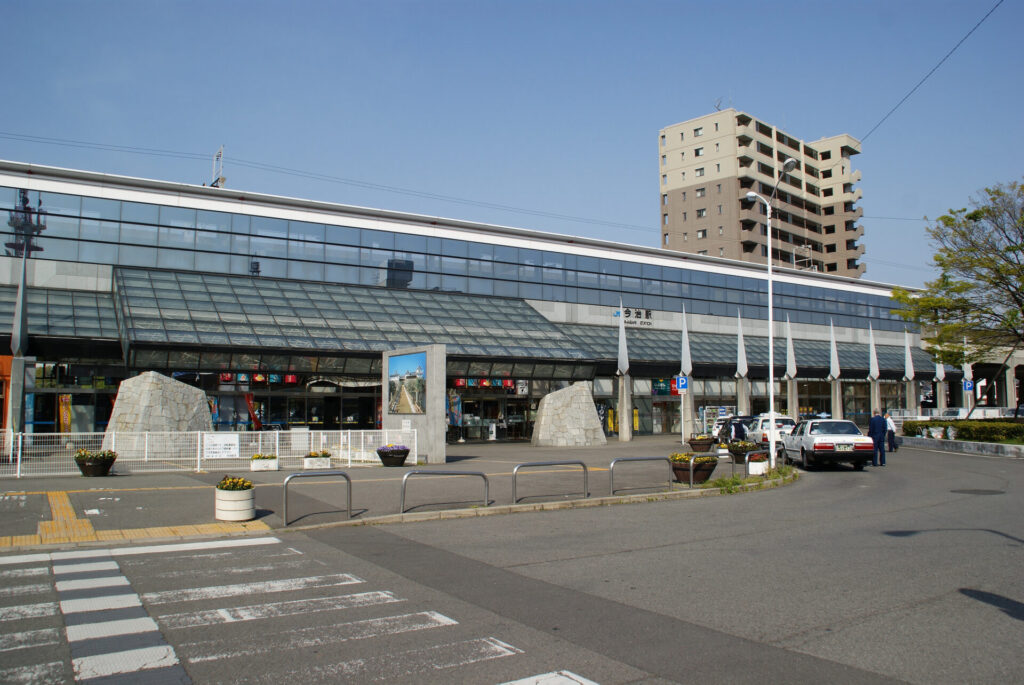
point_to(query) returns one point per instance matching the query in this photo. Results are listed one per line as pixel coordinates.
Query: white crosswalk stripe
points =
(130, 661)
(29, 638)
(275, 610)
(221, 591)
(23, 611)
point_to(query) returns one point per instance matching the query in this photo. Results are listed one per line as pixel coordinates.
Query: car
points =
(717, 428)
(758, 432)
(828, 441)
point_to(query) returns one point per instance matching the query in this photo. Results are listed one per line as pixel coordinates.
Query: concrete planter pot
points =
(757, 468)
(235, 505)
(264, 465)
(316, 463)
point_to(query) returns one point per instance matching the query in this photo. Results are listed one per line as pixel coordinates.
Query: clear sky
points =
(542, 115)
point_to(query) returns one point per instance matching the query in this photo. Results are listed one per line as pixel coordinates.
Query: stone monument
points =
(151, 402)
(568, 418)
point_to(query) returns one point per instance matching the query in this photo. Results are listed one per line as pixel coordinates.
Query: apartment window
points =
(827, 192)
(701, 192)
(833, 266)
(851, 263)
(682, 136)
(665, 240)
(664, 199)
(702, 234)
(684, 196)
(827, 155)
(682, 155)
(719, 187)
(698, 132)
(718, 167)
(721, 250)
(716, 147)
(664, 179)
(698, 152)
(664, 160)
(830, 229)
(716, 125)
(684, 175)
(830, 248)
(851, 244)
(684, 216)
(703, 252)
(827, 173)
(701, 213)
(685, 236)
(698, 172)
(829, 211)
(721, 230)
(719, 209)
(664, 219)
(663, 140)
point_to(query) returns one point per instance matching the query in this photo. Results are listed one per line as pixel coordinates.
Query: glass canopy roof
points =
(61, 313)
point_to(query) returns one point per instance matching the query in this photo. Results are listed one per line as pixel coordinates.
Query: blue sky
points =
(551, 108)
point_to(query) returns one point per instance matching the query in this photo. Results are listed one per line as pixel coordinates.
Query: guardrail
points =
(348, 481)
(420, 472)
(611, 469)
(530, 464)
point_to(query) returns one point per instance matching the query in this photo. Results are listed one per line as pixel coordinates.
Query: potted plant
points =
(701, 442)
(757, 465)
(723, 449)
(702, 467)
(317, 460)
(739, 449)
(235, 499)
(263, 462)
(95, 463)
(393, 455)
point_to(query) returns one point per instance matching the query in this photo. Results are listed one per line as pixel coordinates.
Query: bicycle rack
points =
(420, 472)
(611, 469)
(530, 464)
(344, 475)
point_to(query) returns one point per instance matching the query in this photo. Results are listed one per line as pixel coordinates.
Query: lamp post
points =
(786, 166)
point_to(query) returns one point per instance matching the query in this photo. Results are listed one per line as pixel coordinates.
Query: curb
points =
(987, 449)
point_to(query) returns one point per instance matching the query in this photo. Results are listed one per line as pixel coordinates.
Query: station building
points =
(280, 309)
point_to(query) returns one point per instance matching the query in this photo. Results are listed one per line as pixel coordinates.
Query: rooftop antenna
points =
(718, 105)
(218, 169)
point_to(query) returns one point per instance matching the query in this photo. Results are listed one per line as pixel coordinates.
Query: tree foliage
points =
(979, 294)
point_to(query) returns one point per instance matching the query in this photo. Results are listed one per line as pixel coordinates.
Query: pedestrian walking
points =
(876, 431)
(890, 426)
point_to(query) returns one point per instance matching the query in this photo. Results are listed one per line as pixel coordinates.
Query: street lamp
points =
(786, 166)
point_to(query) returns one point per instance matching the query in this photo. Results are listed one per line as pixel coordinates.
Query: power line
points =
(933, 70)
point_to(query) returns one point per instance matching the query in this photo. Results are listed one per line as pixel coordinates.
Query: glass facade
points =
(132, 234)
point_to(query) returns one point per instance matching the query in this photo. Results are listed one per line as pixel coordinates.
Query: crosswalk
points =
(248, 610)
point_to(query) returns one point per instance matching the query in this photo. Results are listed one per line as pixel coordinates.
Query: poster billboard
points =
(407, 383)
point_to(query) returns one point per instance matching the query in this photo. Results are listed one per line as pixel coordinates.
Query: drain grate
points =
(979, 492)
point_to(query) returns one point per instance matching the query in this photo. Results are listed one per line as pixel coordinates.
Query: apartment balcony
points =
(853, 213)
(858, 271)
(854, 196)
(855, 176)
(856, 253)
(854, 233)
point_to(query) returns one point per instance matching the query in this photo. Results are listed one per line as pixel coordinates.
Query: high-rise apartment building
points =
(708, 164)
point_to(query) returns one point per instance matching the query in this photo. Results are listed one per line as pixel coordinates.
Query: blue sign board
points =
(968, 386)
(682, 382)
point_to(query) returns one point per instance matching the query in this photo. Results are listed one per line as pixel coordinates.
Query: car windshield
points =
(783, 423)
(835, 428)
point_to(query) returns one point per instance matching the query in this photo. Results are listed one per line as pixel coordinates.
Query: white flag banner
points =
(833, 363)
(940, 371)
(623, 352)
(790, 355)
(685, 363)
(908, 358)
(741, 349)
(968, 371)
(872, 356)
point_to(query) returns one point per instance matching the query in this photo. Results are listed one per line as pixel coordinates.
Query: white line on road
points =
(52, 672)
(29, 638)
(141, 549)
(128, 661)
(25, 572)
(91, 583)
(276, 609)
(323, 635)
(23, 559)
(15, 613)
(126, 626)
(553, 678)
(16, 590)
(84, 567)
(221, 591)
(76, 606)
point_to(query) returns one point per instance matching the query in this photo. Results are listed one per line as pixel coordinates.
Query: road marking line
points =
(276, 609)
(76, 606)
(52, 672)
(29, 638)
(220, 591)
(23, 559)
(324, 635)
(126, 626)
(25, 572)
(18, 612)
(16, 590)
(91, 583)
(553, 678)
(85, 567)
(128, 661)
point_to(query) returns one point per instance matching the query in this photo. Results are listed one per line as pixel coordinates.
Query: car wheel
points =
(805, 461)
(858, 466)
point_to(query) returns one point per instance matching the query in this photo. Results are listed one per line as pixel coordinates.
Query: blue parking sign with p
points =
(968, 386)
(682, 382)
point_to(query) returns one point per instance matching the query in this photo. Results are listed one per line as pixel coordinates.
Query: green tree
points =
(976, 305)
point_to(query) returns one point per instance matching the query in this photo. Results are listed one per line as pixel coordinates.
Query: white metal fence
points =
(52, 454)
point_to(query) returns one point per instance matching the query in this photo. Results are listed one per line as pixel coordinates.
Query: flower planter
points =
(701, 472)
(701, 444)
(757, 468)
(393, 457)
(95, 467)
(235, 505)
(264, 465)
(316, 462)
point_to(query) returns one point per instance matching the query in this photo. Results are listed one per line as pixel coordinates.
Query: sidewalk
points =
(73, 510)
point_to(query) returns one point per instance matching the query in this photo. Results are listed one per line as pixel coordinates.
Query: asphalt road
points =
(910, 573)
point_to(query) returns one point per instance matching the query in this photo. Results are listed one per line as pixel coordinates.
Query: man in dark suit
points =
(877, 431)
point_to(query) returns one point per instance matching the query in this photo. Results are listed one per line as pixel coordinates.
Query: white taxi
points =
(828, 441)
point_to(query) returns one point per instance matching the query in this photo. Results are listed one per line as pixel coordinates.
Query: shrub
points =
(84, 455)
(319, 454)
(234, 483)
(974, 431)
(685, 457)
(264, 456)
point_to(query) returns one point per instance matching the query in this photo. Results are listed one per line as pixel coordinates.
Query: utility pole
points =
(26, 224)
